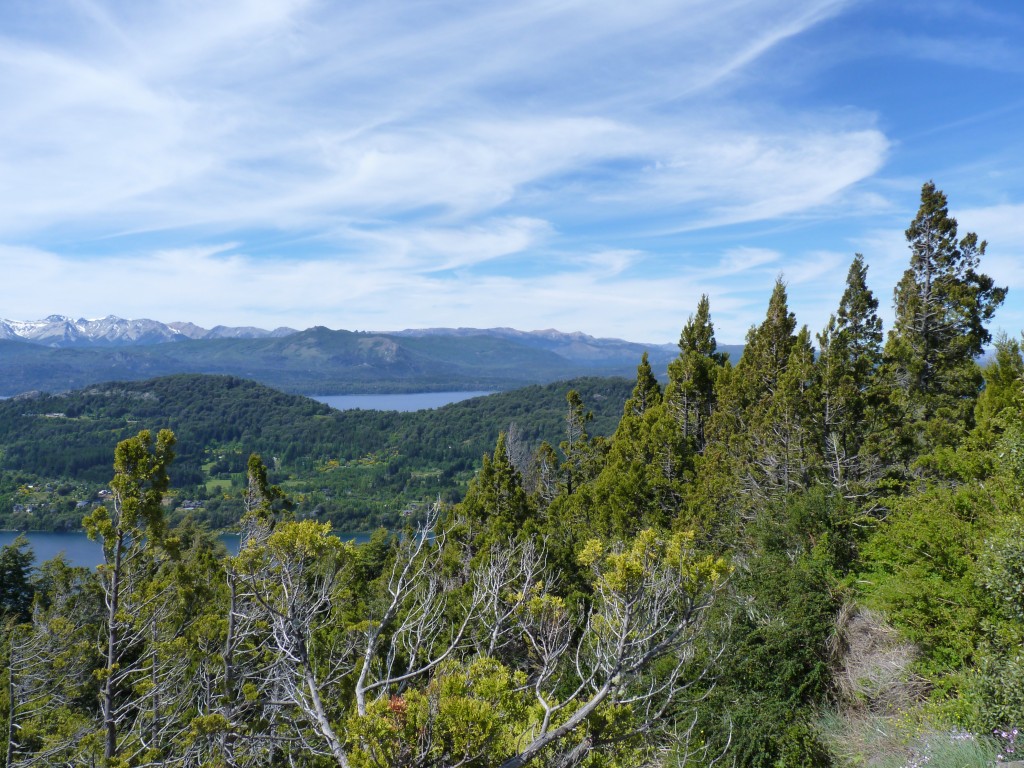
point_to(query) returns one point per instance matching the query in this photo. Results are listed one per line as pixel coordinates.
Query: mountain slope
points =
(356, 468)
(317, 360)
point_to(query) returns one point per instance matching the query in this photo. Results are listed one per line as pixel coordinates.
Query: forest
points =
(811, 557)
(356, 469)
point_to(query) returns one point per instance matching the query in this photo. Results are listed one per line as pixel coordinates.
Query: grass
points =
(218, 485)
(903, 740)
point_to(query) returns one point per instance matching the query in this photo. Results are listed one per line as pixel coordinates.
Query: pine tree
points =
(768, 347)
(581, 459)
(641, 484)
(742, 438)
(942, 307)
(691, 393)
(851, 353)
(785, 453)
(544, 476)
(1000, 401)
(646, 392)
(16, 588)
(495, 502)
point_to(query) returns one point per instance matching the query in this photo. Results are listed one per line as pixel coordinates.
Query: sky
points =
(586, 166)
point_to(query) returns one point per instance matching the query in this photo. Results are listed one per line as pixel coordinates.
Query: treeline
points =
(810, 558)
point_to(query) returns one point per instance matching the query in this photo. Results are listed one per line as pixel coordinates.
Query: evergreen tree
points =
(997, 416)
(786, 440)
(851, 353)
(49, 665)
(646, 392)
(641, 483)
(495, 502)
(943, 304)
(16, 579)
(768, 347)
(131, 531)
(743, 439)
(1000, 401)
(544, 474)
(691, 392)
(581, 454)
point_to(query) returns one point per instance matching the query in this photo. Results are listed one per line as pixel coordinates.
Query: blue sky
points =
(592, 166)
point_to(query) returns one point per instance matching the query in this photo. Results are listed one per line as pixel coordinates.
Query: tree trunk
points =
(107, 699)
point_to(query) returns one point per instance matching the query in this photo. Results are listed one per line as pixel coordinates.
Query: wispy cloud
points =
(189, 284)
(381, 164)
(226, 116)
(737, 260)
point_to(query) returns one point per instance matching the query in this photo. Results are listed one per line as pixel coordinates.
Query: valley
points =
(325, 362)
(358, 469)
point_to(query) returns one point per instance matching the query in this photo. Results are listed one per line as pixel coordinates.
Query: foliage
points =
(851, 353)
(691, 392)
(16, 588)
(811, 530)
(923, 573)
(781, 605)
(359, 469)
(943, 304)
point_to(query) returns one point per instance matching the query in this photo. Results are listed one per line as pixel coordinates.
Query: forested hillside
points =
(358, 469)
(810, 558)
(321, 361)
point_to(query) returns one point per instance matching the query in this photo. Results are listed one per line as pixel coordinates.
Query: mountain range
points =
(58, 354)
(62, 331)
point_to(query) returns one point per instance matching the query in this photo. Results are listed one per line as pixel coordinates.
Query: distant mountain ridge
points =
(577, 346)
(63, 331)
(58, 354)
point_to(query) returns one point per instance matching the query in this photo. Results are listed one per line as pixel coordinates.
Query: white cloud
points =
(241, 114)
(405, 142)
(591, 295)
(1002, 226)
(736, 260)
(425, 250)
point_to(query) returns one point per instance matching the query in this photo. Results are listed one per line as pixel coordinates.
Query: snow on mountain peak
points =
(62, 331)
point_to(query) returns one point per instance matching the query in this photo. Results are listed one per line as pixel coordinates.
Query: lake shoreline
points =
(82, 551)
(404, 402)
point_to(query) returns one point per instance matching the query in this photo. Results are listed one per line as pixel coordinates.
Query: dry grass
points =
(880, 720)
(872, 664)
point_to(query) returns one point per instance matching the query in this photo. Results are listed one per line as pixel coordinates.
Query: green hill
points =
(356, 468)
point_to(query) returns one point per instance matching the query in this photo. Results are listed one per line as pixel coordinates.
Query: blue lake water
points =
(80, 550)
(414, 401)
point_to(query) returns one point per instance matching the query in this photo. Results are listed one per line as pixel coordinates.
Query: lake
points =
(80, 550)
(413, 401)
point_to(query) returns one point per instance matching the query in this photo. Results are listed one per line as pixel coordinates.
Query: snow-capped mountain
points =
(61, 331)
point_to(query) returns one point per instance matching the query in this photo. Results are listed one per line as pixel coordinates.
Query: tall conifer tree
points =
(691, 393)
(787, 447)
(741, 439)
(850, 354)
(495, 501)
(768, 347)
(943, 304)
(641, 483)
